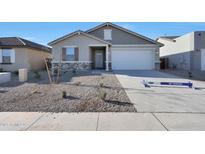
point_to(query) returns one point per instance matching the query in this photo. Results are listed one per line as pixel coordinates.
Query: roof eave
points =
(74, 33)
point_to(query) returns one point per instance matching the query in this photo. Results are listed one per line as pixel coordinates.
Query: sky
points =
(44, 32)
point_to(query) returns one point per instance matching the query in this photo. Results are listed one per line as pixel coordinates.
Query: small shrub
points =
(101, 84)
(64, 94)
(102, 95)
(16, 73)
(37, 75)
(1, 69)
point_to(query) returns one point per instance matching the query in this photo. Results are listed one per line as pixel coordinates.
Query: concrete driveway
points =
(161, 99)
(175, 108)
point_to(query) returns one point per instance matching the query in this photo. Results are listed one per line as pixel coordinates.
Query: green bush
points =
(64, 94)
(1, 69)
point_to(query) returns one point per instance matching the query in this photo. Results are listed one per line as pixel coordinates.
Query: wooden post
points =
(49, 76)
(59, 65)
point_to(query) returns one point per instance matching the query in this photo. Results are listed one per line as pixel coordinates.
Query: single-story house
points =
(106, 46)
(186, 52)
(16, 53)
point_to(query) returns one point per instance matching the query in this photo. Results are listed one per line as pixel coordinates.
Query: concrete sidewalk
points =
(101, 121)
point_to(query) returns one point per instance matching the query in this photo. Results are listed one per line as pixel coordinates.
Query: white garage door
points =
(203, 59)
(132, 59)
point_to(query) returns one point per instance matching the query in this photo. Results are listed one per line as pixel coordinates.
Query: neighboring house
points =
(107, 46)
(186, 52)
(17, 53)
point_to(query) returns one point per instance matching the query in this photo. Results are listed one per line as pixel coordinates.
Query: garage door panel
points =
(132, 59)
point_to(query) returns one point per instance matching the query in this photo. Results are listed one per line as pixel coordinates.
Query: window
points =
(70, 54)
(7, 56)
(107, 34)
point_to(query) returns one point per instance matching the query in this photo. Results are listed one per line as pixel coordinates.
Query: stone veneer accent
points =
(74, 65)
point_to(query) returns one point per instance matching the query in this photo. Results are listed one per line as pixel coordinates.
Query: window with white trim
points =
(107, 34)
(7, 56)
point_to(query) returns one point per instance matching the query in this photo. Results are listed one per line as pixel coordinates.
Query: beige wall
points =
(36, 59)
(81, 41)
(21, 60)
(183, 44)
(27, 58)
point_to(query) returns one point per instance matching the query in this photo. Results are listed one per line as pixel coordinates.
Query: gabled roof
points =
(78, 32)
(20, 42)
(125, 30)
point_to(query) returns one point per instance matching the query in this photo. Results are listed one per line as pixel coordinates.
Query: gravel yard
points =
(85, 92)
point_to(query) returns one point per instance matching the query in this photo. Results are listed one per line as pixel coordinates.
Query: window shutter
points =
(13, 56)
(76, 54)
(63, 56)
(0, 55)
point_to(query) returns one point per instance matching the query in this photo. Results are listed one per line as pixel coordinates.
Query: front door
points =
(98, 59)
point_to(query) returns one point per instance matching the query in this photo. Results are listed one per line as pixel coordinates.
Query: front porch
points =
(96, 58)
(99, 57)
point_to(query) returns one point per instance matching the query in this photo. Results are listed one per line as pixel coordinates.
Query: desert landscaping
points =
(86, 91)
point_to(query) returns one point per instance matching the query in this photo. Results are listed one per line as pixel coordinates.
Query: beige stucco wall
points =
(27, 58)
(81, 41)
(36, 59)
(183, 44)
(21, 61)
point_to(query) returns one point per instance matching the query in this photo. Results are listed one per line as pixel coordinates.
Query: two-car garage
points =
(132, 58)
